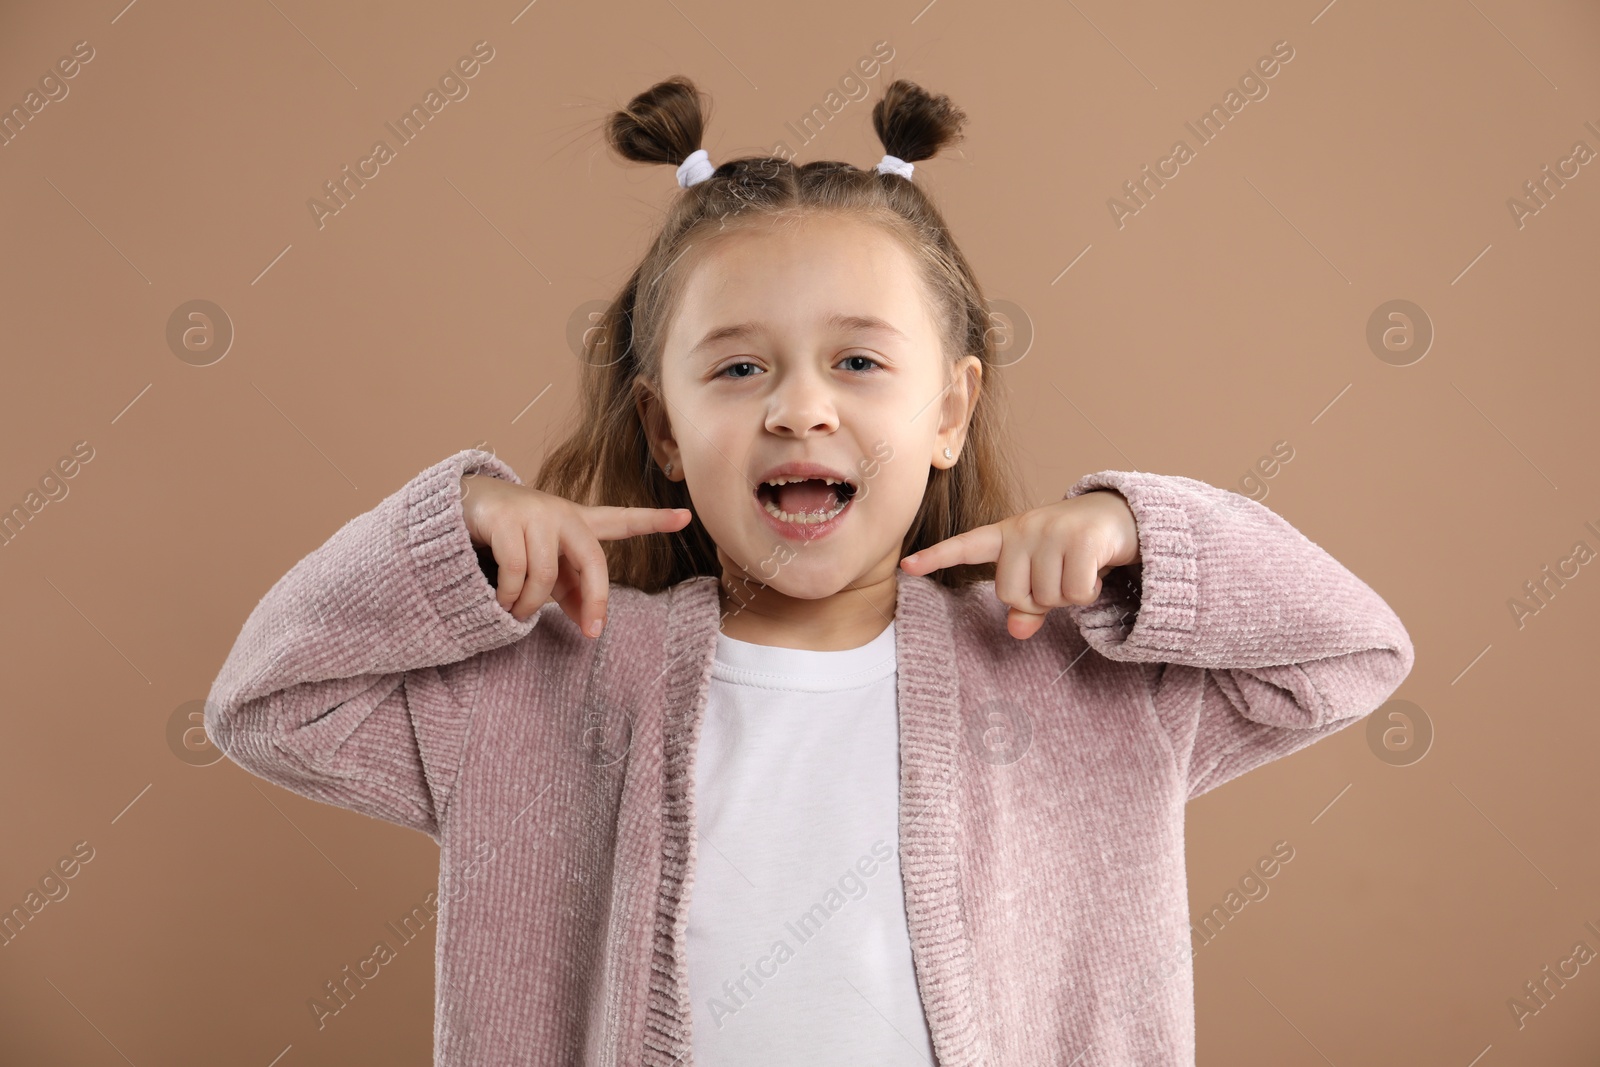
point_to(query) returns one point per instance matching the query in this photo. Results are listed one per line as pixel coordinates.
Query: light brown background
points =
(1226, 316)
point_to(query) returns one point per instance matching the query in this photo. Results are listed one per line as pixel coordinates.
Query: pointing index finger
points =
(978, 545)
(610, 523)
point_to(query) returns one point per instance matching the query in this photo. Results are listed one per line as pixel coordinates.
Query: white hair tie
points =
(697, 168)
(895, 165)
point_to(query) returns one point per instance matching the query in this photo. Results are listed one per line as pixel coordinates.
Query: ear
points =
(959, 402)
(657, 426)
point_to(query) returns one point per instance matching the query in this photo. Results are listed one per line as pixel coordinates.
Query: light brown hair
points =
(606, 458)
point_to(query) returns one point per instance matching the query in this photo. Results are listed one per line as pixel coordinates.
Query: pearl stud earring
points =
(947, 454)
(668, 467)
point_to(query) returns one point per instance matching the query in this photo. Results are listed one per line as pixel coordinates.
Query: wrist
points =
(1132, 526)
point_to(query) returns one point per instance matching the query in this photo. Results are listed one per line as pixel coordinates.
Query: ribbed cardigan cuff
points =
(1159, 594)
(446, 563)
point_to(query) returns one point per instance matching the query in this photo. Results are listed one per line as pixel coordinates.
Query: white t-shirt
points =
(798, 951)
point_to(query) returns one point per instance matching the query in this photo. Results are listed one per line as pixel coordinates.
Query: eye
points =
(868, 359)
(724, 371)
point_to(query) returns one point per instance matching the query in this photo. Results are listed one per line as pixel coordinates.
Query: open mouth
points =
(805, 501)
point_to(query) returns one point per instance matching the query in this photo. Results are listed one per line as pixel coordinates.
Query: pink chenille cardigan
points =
(1042, 782)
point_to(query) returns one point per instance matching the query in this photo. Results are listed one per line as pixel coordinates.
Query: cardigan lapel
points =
(693, 621)
(929, 817)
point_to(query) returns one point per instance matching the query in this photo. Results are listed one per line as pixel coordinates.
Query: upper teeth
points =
(796, 478)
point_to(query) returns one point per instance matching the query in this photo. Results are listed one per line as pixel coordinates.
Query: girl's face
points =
(810, 343)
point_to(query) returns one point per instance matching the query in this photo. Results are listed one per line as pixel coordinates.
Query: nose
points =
(801, 405)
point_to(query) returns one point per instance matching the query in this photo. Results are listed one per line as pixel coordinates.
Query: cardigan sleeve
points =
(353, 680)
(1254, 641)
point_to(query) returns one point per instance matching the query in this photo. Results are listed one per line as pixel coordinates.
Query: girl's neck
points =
(850, 618)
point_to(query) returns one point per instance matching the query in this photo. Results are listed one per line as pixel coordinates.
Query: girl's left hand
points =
(1047, 557)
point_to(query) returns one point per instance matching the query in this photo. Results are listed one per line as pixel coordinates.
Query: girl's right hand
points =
(548, 547)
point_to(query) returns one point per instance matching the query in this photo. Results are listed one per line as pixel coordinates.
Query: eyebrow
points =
(838, 321)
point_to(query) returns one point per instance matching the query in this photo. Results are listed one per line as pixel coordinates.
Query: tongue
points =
(812, 495)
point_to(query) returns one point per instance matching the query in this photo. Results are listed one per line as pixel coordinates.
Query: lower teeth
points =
(804, 518)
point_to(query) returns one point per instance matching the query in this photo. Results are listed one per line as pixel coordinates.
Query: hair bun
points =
(663, 124)
(913, 123)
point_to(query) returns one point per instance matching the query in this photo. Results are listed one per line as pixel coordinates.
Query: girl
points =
(719, 772)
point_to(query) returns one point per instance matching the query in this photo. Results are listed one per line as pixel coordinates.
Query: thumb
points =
(1023, 624)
